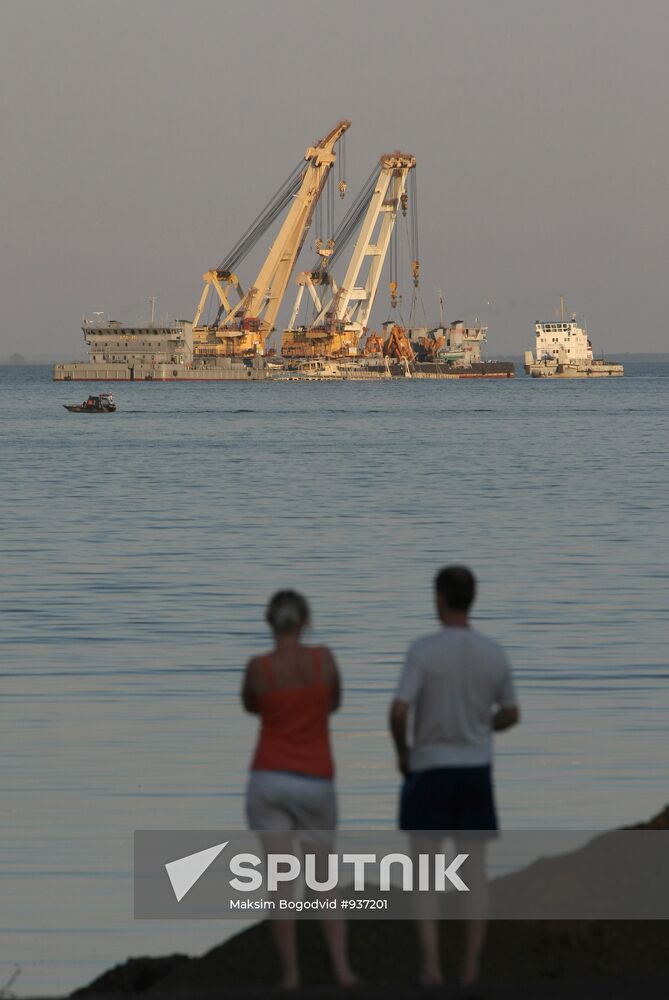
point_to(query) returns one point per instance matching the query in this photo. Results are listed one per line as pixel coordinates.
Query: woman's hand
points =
(331, 677)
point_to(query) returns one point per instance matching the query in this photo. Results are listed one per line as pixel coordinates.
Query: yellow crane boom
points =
(342, 313)
(243, 327)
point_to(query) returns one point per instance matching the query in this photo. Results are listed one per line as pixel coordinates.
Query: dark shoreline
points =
(611, 960)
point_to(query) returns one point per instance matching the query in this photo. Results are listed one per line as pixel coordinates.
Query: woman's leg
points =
(320, 818)
(336, 937)
(265, 812)
(285, 942)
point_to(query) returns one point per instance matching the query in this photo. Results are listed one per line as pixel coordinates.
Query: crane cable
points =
(345, 230)
(393, 268)
(397, 265)
(350, 222)
(264, 219)
(416, 298)
(413, 198)
(318, 220)
(329, 193)
(342, 167)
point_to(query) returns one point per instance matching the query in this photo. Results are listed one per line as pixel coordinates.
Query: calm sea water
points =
(139, 549)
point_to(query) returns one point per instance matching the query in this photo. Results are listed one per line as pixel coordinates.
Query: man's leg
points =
(427, 920)
(475, 909)
(428, 939)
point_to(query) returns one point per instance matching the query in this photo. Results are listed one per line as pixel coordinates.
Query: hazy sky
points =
(139, 139)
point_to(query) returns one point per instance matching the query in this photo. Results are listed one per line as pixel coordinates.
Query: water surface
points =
(138, 552)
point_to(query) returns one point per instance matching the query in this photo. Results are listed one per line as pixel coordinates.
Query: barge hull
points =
(479, 369)
(606, 370)
(83, 372)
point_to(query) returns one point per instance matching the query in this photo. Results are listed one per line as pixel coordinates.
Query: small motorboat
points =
(104, 403)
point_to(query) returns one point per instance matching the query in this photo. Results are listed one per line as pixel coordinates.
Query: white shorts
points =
(280, 800)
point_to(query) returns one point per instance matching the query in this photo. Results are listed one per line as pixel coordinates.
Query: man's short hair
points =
(456, 585)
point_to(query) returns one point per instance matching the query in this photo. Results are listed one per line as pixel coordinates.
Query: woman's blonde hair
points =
(287, 611)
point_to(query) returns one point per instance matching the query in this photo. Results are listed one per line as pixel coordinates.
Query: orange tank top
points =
(294, 726)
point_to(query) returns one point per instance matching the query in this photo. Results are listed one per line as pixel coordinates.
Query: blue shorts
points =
(448, 798)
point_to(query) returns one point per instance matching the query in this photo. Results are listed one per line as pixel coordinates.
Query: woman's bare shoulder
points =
(254, 664)
(328, 660)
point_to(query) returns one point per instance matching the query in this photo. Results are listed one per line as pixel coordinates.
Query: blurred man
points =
(458, 685)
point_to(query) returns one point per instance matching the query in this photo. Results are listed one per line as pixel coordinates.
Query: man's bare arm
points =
(398, 720)
(505, 717)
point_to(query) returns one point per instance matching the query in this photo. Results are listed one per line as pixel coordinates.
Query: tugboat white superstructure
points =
(563, 350)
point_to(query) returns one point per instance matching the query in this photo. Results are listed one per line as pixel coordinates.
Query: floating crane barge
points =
(227, 338)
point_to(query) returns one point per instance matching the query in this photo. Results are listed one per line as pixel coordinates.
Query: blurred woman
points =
(293, 689)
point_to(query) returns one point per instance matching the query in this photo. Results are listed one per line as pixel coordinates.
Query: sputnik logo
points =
(185, 872)
(433, 871)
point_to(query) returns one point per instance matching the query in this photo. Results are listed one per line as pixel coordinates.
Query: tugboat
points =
(564, 350)
(104, 403)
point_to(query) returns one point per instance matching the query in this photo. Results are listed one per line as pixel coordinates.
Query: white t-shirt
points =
(454, 680)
